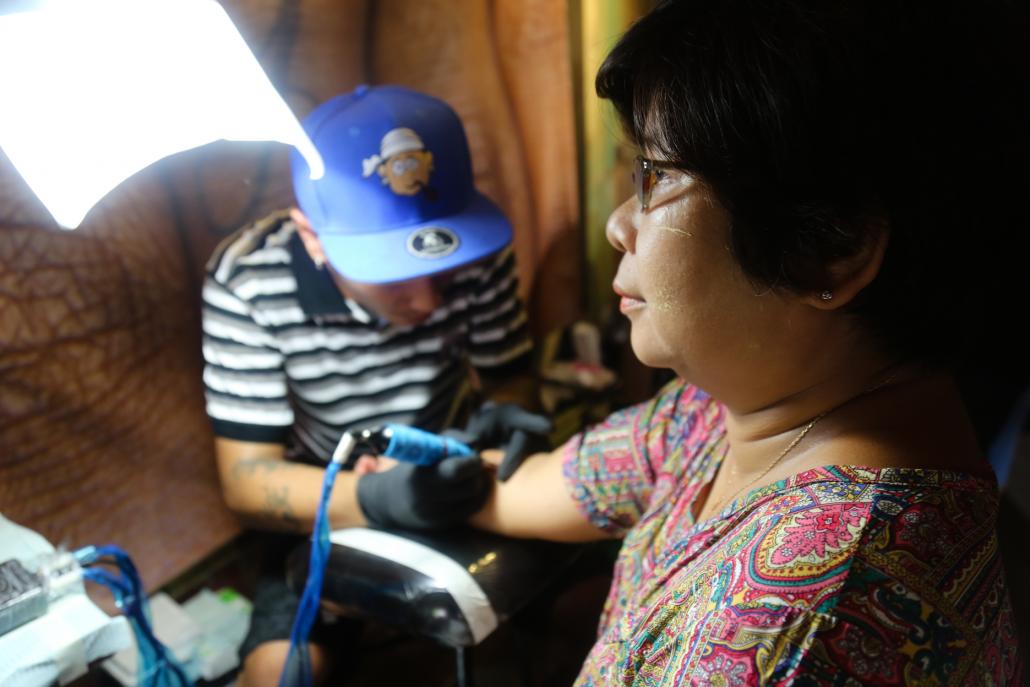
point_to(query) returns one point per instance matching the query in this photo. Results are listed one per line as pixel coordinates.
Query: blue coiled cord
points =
(157, 666)
(297, 671)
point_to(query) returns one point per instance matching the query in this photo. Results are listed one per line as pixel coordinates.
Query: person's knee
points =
(263, 666)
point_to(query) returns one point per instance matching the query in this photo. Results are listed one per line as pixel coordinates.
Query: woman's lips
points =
(627, 302)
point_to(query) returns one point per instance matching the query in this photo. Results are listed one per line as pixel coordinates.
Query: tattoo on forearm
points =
(251, 466)
(277, 505)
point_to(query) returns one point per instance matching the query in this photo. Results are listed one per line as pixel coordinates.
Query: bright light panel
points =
(94, 91)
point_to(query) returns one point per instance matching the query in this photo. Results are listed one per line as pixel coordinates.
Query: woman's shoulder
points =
(903, 561)
(844, 540)
(907, 521)
(875, 567)
(806, 542)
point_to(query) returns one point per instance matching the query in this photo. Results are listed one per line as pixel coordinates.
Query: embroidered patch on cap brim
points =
(430, 243)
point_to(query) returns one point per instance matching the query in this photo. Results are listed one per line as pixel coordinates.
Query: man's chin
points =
(408, 321)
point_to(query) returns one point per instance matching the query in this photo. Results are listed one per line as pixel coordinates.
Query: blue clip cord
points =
(297, 670)
(157, 666)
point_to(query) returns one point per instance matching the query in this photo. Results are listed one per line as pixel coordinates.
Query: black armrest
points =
(454, 587)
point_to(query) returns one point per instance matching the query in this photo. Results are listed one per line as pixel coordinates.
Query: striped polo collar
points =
(317, 293)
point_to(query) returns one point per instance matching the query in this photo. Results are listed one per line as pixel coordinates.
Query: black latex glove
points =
(516, 430)
(415, 497)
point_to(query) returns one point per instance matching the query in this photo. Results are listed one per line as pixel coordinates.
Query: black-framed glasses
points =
(646, 174)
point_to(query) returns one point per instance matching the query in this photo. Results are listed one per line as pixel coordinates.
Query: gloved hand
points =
(516, 430)
(416, 497)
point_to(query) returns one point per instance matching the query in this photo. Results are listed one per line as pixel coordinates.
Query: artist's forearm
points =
(275, 494)
(534, 504)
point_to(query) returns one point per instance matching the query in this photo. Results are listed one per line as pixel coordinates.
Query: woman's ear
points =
(848, 276)
(309, 238)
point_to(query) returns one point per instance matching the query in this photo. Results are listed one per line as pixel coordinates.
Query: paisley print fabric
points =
(842, 575)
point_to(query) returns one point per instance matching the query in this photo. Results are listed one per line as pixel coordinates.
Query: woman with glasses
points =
(830, 216)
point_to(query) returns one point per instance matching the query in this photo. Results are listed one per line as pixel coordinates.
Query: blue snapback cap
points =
(397, 200)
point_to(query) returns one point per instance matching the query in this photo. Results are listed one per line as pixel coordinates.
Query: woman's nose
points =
(619, 230)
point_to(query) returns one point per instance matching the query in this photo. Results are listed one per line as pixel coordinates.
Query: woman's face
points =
(690, 306)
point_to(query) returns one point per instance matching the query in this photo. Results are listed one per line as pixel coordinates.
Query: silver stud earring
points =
(319, 262)
(826, 295)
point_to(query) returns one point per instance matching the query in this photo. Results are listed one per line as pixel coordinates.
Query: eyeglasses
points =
(646, 174)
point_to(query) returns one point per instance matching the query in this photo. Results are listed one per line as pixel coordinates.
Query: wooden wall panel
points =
(532, 45)
(101, 436)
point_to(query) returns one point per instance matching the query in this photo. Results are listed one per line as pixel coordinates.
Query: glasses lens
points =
(641, 182)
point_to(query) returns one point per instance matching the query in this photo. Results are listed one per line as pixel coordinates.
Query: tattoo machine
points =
(412, 445)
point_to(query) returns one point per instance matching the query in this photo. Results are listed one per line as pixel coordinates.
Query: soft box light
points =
(92, 92)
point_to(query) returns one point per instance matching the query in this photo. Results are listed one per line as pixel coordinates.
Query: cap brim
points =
(384, 256)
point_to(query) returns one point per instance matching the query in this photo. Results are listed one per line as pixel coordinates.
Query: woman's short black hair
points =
(811, 120)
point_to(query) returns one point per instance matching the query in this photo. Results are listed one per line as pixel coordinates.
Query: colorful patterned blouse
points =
(837, 576)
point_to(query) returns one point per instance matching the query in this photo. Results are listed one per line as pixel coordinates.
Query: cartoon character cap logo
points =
(403, 162)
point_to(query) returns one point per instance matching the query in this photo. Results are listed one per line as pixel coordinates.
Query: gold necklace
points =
(797, 440)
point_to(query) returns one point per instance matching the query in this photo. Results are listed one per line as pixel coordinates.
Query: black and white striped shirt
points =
(290, 360)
